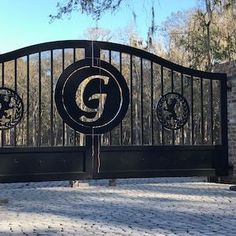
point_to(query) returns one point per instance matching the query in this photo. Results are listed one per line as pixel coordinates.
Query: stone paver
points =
(144, 207)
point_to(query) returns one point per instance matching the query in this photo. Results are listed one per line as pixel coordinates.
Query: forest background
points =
(198, 38)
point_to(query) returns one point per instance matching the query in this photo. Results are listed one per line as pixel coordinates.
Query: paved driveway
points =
(166, 206)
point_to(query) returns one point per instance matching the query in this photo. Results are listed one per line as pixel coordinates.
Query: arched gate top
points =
(99, 45)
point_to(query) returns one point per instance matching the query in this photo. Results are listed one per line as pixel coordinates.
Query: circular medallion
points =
(11, 108)
(173, 111)
(92, 96)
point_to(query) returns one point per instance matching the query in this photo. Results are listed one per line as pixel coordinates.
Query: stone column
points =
(230, 69)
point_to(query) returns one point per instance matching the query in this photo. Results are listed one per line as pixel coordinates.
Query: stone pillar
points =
(230, 69)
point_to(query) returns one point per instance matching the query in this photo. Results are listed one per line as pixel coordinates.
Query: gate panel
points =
(153, 161)
(176, 123)
(41, 146)
(38, 164)
(142, 146)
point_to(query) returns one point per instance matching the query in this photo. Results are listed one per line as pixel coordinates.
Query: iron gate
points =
(85, 109)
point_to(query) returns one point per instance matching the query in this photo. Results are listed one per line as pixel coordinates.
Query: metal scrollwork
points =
(11, 108)
(173, 111)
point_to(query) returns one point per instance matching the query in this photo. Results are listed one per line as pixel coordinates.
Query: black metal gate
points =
(84, 109)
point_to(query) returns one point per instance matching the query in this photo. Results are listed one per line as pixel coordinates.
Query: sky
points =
(26, 22)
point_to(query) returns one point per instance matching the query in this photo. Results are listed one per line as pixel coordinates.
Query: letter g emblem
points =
(92, 97)
(101, 97)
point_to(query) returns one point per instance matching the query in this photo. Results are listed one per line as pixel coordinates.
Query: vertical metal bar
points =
(88, 138)
(182, 93)
(162, 92)
(121, 126)
(63, 123)
(28, 103)
(40, 91)
(131, 99)
(172, 80)
(74, 59)
(15, 84)
(202, 113)
(88, 50)
(3, 84)
(110, 132)
(3, 73)
(152, 131)
(52, 107)
(172, 90)
(74, 54)
(96, 52)
(223, 114)
(141, 91)
(211, 111)
(192, 117)
(15, 75)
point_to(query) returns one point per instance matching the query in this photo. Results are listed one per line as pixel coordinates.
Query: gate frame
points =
(91, 165)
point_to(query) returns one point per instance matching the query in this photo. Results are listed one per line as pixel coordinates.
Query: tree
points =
(96, 8)
(98, 33)
(201, 38)
(91, 7)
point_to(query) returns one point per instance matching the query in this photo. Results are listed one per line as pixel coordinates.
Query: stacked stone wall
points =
(230, 69)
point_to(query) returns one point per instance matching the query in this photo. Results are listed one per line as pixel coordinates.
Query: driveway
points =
(142, 207)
